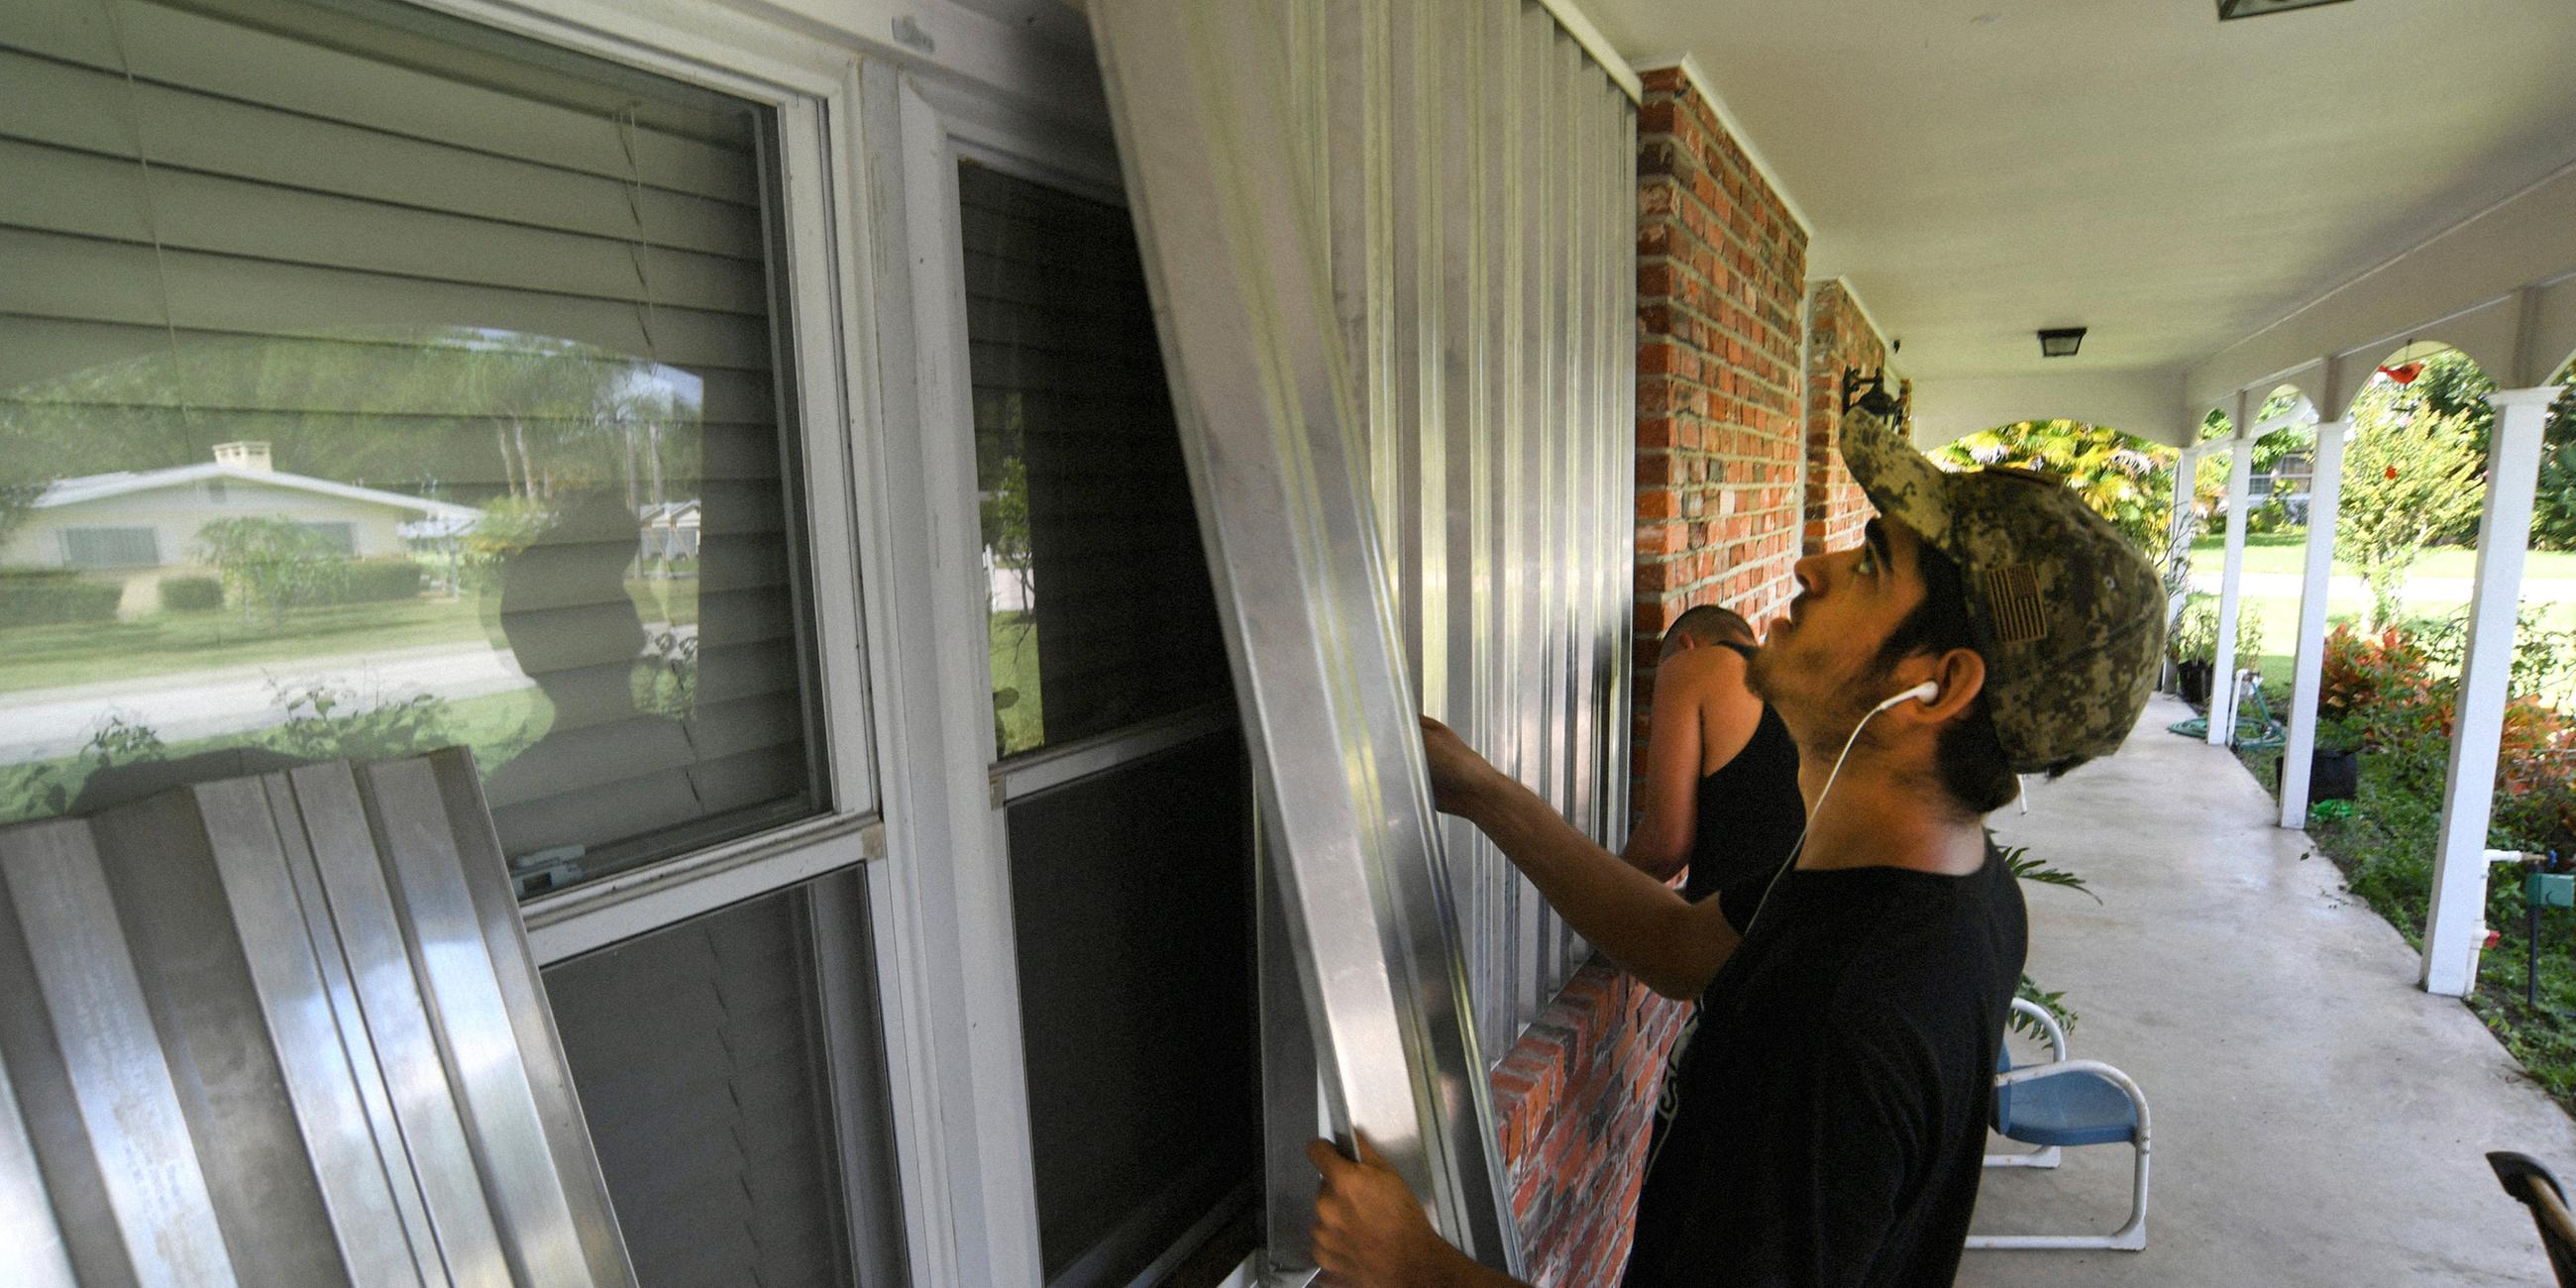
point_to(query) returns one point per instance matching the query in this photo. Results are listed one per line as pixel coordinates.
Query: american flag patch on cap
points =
(2012, 600)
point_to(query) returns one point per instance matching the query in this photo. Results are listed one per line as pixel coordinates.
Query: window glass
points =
(110, 548)
(1143, 1067)
(372, 382)
(1101, 613)
(705, 1079)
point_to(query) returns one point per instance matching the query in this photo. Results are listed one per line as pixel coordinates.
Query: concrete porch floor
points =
(2317, 1118)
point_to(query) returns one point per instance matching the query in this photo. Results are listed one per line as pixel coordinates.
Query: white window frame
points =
(867, 167)
(920, 128)
(813, 90)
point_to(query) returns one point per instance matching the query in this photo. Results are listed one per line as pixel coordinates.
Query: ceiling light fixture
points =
(2060, 342)
(2256, 8)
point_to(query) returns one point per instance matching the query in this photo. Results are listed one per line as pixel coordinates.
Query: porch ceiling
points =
(1978, 169)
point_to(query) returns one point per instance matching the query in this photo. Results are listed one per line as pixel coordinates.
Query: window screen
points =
(443, 362)
(1101, 613)
(705, 1079)
(341, 538)
(110, 548)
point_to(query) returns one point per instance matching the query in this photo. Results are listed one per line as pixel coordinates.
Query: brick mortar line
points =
(1677, 262)
(1751, 341)
(1733, 163)
(1729, 240)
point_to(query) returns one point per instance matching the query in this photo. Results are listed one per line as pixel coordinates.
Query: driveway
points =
(39, 724)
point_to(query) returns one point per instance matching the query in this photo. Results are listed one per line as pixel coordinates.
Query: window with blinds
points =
(110, 548)
(1101, 613)
(705, 1080)
(371, 381)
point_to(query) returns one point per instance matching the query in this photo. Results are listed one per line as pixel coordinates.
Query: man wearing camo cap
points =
(1823, 1120)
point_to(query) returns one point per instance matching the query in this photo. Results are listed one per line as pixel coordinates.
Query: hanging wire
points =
(637, 250)
(188, 419)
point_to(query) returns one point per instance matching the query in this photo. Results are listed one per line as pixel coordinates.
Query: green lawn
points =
(2286, 551)
(38, 657)
(1022, 724)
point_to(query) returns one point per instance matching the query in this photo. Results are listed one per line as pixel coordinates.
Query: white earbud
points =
(1926, 693)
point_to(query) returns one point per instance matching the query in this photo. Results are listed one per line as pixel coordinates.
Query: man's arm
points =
(1370, 1231)
(1673, 945)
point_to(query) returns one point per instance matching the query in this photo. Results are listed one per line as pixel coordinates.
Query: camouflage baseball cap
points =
(2068, 615)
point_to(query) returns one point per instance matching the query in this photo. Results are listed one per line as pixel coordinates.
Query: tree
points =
(2124, 479)
(273, 564)
(2405, 484)
(2553, 519)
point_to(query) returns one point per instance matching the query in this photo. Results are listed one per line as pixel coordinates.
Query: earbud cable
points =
(1800, 845)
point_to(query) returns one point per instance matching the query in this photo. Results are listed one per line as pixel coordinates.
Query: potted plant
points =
(2195, 649)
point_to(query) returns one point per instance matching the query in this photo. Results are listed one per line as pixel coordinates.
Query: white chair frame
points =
(2131, 1236)
(2047, 1156)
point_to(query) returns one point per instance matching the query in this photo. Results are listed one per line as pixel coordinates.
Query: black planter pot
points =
(2193, 679)
(2333, 775)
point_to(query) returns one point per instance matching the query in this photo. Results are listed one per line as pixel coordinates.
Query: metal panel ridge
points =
(285, 1029)
(1270, 426)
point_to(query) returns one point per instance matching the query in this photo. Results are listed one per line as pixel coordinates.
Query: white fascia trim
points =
(1580, 27)
(2200, 373)
(1699, 81)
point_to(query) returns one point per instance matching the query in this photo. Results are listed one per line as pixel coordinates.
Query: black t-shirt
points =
(1823, 1119)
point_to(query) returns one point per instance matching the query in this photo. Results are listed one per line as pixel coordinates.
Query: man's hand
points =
(1457, 772)
(1369, 1229)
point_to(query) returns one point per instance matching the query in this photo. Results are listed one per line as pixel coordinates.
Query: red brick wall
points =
(1721, 277)
(1574, 1100)
(1721, 280)
(1838, 336)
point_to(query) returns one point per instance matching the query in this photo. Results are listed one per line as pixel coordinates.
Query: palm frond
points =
(2054, 1003)
(2037, 870)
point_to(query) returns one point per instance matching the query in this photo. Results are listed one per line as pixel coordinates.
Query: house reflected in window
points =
(241, 555)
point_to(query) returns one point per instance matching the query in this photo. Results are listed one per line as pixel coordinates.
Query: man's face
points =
(1817, 663)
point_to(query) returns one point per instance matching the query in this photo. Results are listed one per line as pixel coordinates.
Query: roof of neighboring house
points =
(99, 487)
(668, 512)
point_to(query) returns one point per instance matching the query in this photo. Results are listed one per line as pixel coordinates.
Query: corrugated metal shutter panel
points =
(1474, 174)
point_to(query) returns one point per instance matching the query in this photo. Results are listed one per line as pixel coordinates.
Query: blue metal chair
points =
(2058, 1103)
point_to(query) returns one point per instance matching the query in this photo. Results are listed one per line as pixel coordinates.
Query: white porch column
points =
(2455, 928)
(2325, 494)
(2231, 590)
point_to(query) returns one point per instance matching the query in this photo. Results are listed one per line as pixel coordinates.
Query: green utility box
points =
(2550, 889)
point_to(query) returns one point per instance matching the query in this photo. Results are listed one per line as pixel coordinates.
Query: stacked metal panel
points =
(285, 1030)
(1474, 178)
